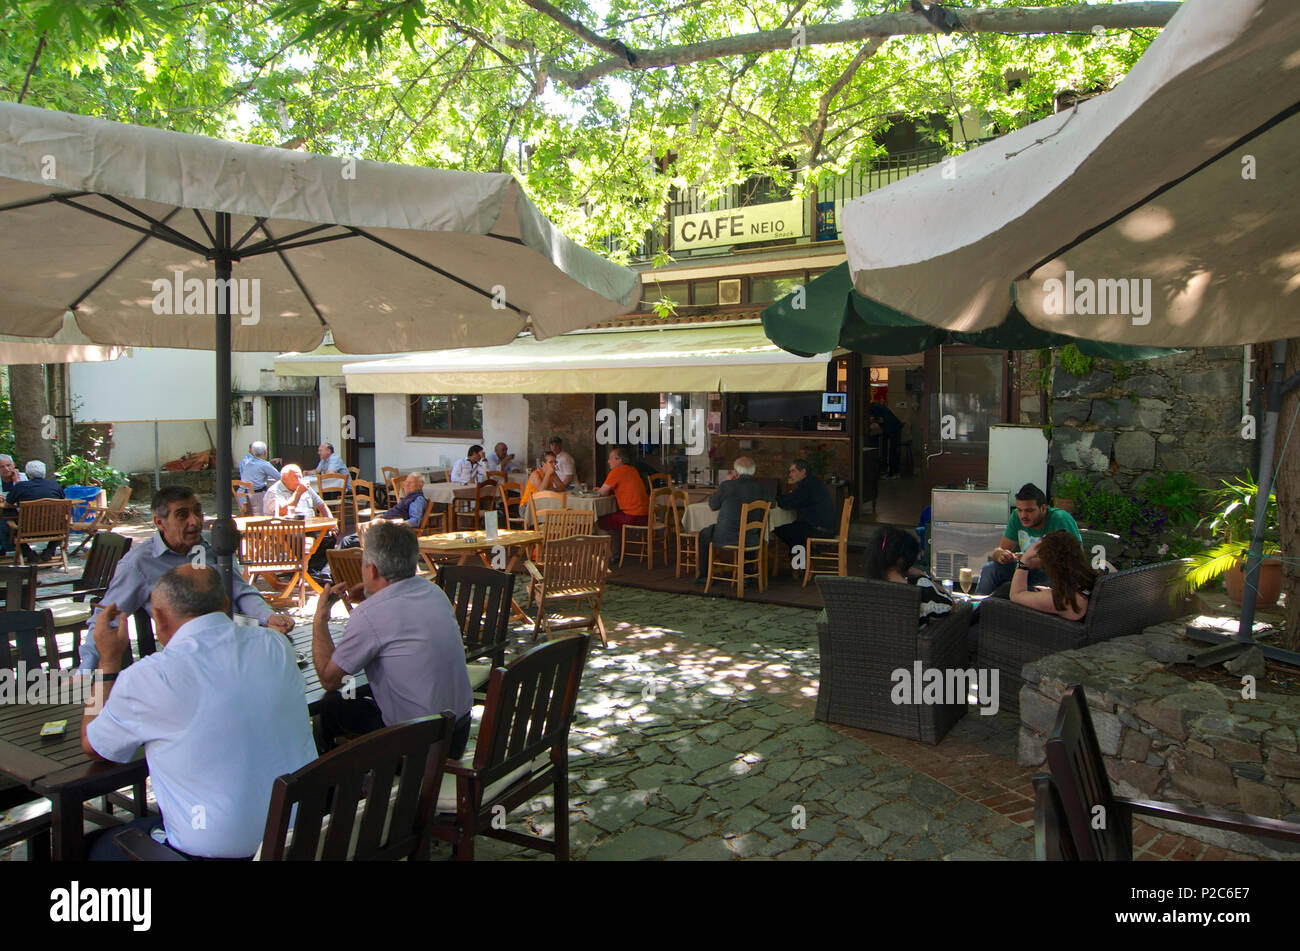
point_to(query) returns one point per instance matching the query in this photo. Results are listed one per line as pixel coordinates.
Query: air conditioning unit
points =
(965, 526)
(729, 292)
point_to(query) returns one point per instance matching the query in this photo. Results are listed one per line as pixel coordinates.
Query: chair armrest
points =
(1216, 818)
(533, 570)
(142, 848)
(942, 641)
(998, 616)
(453, 767)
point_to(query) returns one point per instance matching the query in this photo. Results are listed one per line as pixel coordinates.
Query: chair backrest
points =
(1126, 602)
(345, 566)
(423, 528)
(437, 475)
(42, 517)
(330, 486)
(496, 475)
(529, 707)
(117, 504)
(753, 515)
(846, 515)
(18, 585)
(681, 498)
(243, 493)
(661, 506)
(271, 542)
(389, 473)
(465, 501)
(363, 491)
(22, 634)
(1079, 772)
(1092, 538)
(565, 523)
(554, 501)
(1052, 840)
(106, 550)
(354, 472)
(659, 480)
(378, 793)
(480, 596)
(580, 561)
(512, 492)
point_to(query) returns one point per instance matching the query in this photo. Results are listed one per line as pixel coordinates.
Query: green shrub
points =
(79, 470)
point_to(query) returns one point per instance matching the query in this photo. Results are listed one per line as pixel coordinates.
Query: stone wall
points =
(1027, 382)
(1170, 739)
(1180, 413)
(773, 454)
(572, 417)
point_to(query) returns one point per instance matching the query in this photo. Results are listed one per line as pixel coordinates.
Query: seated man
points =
(293, 496)
(331, 461)
(628, 489)
(470, 470)
(219, 709)
(409, 510)
(565, 467)
(737, 489)
(404, 635)
(178, 516)
(545, 479)
(500, 459)
(9, 476)
(34, 487)
(813, 505)
(257, 472)
(1032, 519)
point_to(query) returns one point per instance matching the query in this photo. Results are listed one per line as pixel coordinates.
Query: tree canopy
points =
(599, 108)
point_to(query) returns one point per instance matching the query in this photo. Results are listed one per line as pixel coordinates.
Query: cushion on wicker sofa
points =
(872, 629)
(1122, 603)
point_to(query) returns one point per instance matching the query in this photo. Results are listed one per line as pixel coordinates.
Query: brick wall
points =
(572, 417)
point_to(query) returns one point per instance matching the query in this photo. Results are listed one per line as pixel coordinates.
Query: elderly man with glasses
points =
(814, 507)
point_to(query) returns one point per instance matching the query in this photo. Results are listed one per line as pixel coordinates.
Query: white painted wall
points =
(505, 419)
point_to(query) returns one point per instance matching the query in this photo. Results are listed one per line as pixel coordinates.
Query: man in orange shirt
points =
(628, 489)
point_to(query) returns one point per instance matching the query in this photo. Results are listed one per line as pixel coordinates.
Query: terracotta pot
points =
(1065, 505)
(1270, 582)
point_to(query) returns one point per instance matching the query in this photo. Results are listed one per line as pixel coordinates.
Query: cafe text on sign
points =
(708, 229)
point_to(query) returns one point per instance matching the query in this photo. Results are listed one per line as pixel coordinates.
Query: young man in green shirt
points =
(1033, 519)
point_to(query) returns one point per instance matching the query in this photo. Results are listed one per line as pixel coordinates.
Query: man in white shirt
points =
(220, 711)
(565, 467)
(293, 496)
(470, 470)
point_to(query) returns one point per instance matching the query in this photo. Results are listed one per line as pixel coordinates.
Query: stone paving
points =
(694, 739)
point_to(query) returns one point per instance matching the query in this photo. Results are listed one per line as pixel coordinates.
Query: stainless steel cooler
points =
(965, 525)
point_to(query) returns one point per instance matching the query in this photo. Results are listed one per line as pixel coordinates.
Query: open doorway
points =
(891, 480)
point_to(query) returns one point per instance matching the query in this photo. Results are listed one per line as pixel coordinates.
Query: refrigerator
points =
(965, 525)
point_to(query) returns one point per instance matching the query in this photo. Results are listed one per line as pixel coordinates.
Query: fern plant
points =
(1234, 523)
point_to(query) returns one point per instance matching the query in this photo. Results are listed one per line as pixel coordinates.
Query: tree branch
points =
(607, 44)
(823, 107)
(1079, 18)
(32, 68)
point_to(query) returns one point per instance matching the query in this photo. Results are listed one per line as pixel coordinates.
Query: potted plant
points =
(1232, 525)
(1068, 490)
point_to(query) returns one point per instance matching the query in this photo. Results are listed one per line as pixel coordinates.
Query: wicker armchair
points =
(1123, 603)
(871, 629)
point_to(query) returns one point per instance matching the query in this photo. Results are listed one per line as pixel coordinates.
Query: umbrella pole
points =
(225, 538)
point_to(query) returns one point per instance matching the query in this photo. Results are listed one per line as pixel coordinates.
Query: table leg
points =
(516, 611)
(66, 819)
(316, 539)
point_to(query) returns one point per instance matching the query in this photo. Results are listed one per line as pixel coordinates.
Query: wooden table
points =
(600, 504)
(58, 769)
(316, 528)
(467, 544)
(442, 492)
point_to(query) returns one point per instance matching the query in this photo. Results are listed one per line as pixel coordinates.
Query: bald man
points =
(737, 489)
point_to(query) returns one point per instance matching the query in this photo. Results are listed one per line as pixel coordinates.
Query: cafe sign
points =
(711, 229)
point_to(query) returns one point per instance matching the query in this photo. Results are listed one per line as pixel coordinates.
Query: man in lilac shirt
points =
(406, 638)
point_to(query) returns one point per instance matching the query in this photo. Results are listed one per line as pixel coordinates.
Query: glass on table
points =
(965, 579)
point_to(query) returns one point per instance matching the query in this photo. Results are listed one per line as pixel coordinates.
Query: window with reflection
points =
(450, 416)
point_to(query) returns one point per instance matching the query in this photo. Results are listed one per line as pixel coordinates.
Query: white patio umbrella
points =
(1161, 213)
(69, 345)
(137, 231)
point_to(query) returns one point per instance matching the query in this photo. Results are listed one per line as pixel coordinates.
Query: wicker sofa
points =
(870, 630)
(1122, 603)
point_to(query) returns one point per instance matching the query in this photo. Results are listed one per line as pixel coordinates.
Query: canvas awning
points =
(730, 357)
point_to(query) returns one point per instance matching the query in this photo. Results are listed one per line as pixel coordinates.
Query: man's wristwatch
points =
(1021, 566)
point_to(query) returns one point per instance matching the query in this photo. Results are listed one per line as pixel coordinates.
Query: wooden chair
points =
(72, 610)
(480, 596)
(497, 476)
(22, 634)
(354, 473)
(1078, 774)
(643, 536)
(574, 571)
(389, 474)
(243, 493)
(512, 496)
(659, 480)
(366, 801)
(18, 586)
(332, 488)
(363, 500)
(102, 518)
(688, 543)
(753, 517)
(830, 556)
(469, 504)
(539, 513)
(269, 547)
(345, 568)
(43, 522)
(522, 750)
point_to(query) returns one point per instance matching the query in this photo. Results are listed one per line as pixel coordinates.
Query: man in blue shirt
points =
(178, 516)
(256, 470)
(220, 711)
(34, 487)
(331, 461)
(1032, 519)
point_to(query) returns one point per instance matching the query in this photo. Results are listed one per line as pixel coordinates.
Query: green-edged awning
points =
(828, 313)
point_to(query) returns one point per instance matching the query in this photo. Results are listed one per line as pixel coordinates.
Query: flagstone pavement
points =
(694, 738)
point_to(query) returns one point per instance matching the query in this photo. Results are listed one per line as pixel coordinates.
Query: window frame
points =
(414, 416)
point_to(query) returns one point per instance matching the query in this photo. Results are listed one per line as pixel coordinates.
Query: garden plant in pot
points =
(1067, 491)
(1232, 524)
(88, 481)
